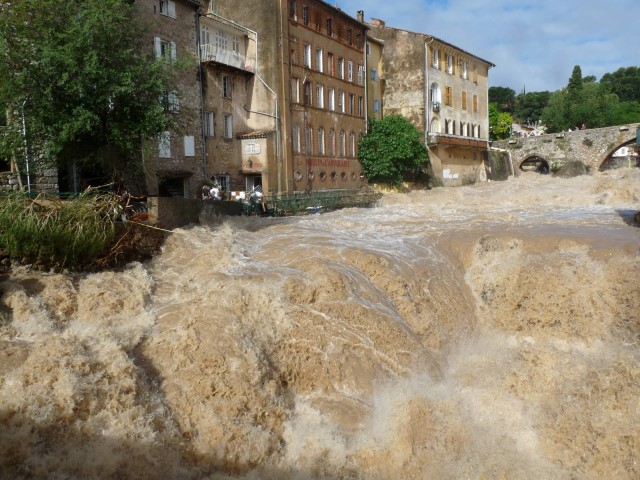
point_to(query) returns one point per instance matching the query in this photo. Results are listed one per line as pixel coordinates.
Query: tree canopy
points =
(392, 146)
(78, 75)
(499, 123)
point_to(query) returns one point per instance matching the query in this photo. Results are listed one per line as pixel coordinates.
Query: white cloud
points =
(533, 44)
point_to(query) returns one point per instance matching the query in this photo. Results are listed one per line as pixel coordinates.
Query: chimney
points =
(361, 16)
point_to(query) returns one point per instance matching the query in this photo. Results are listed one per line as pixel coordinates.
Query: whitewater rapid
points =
(488, 331)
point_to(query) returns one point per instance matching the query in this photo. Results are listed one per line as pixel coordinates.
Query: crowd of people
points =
(211, 192)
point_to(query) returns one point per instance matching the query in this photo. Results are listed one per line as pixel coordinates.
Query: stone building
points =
(443, 91)
(174, 163)
(310, 83)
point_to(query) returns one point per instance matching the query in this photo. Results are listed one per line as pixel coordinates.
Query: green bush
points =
(67, 234)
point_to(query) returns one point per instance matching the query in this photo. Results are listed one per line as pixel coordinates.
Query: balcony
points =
(447, 140)
(213, 53)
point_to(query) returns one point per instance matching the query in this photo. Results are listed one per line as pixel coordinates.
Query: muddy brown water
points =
(490, 331)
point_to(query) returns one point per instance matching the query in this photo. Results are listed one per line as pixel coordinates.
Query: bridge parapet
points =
(591, 147)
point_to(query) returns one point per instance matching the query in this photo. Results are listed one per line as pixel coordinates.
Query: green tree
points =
(77, 73)
(500, 123)
(624, 82)
(529, 106)
(503, 97)
(391, 147)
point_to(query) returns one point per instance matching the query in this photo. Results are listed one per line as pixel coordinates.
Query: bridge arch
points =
(609, 161)
(535, 163)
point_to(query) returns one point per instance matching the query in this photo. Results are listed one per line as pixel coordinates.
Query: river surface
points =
(482, 332)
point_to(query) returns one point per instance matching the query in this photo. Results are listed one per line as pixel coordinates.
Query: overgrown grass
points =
(66, 234)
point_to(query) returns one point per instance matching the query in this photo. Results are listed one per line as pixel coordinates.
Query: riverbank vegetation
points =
(85, 233)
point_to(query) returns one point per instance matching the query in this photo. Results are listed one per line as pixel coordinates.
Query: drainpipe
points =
(202, 112)
(427, 92)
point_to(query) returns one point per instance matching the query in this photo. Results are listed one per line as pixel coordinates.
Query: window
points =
(350, 70)
(330, 70)
(292, 10)
(449, 63)
(332, 99)
(227, 86)
(448, 96)
(320, 142)
(368, 48)
(318, 21)
(352, 144)
(228, 126)
(305, 15)
(204, 35)
(235, 45)
(374, 75)
(341, 145)
(376, 106)
(341, 68)
(358, 41)
(209, 124)
(189, 146)
(307, 55)
(329, 27)
(332, 143)
(475, 74)
(295, 90)
(295, 139)
(361, 106)
(360, 75)
(320, 96)
(164, 145)
(475, 103)
(308, 139)
(464, 100)
(171, 102)
(352, 101)
(434, 58)
(434, 95)
(350, 36)
(319, 63)
(464, 70)
(168, 8)
(294, 54)
(164, 49)
(223, 181)
(341, 105)
(222, 43)
(308, 100)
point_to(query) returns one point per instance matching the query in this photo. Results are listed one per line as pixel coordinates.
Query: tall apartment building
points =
(309, 88)
(174, 162)
(443, 90)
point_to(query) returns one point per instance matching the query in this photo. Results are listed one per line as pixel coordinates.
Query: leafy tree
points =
(529, 106)
(78, 74)
(503, 97)
(624, 82)
(499, 123)
(392, 146)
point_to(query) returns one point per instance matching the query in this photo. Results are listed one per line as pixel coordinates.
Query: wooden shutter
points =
(172, 9)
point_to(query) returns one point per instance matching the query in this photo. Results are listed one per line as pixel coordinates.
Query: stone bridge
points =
(593, 147)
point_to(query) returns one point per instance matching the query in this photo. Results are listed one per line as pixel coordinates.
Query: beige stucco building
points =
(443, 90)
(375, 77)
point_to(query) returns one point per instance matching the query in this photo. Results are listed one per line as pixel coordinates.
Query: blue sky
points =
(534, 44)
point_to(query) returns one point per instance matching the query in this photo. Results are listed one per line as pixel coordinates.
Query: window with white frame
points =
(227, 86)
(228, 126)
(352, 103)
(164, 145)
(308, 96)
(434, 95)
(332, 99)
(305, 15)
(360, 74)
(235, 44)
(341, 68)
(320, 142)
(350, 70)
(464, 70)
(341, 105)
(352, 143)
(435, 60)
(205, 36)
(165, 49)
(319, 62)
(449, 63)
(168, 8)
(307, 55)
(209, 124)
(222, 42)
(320, 96)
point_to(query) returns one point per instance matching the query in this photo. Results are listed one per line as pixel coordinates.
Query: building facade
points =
(375, 78)
(443, 91)
(174, 163)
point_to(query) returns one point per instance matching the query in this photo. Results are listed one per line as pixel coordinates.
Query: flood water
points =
(482, 332)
